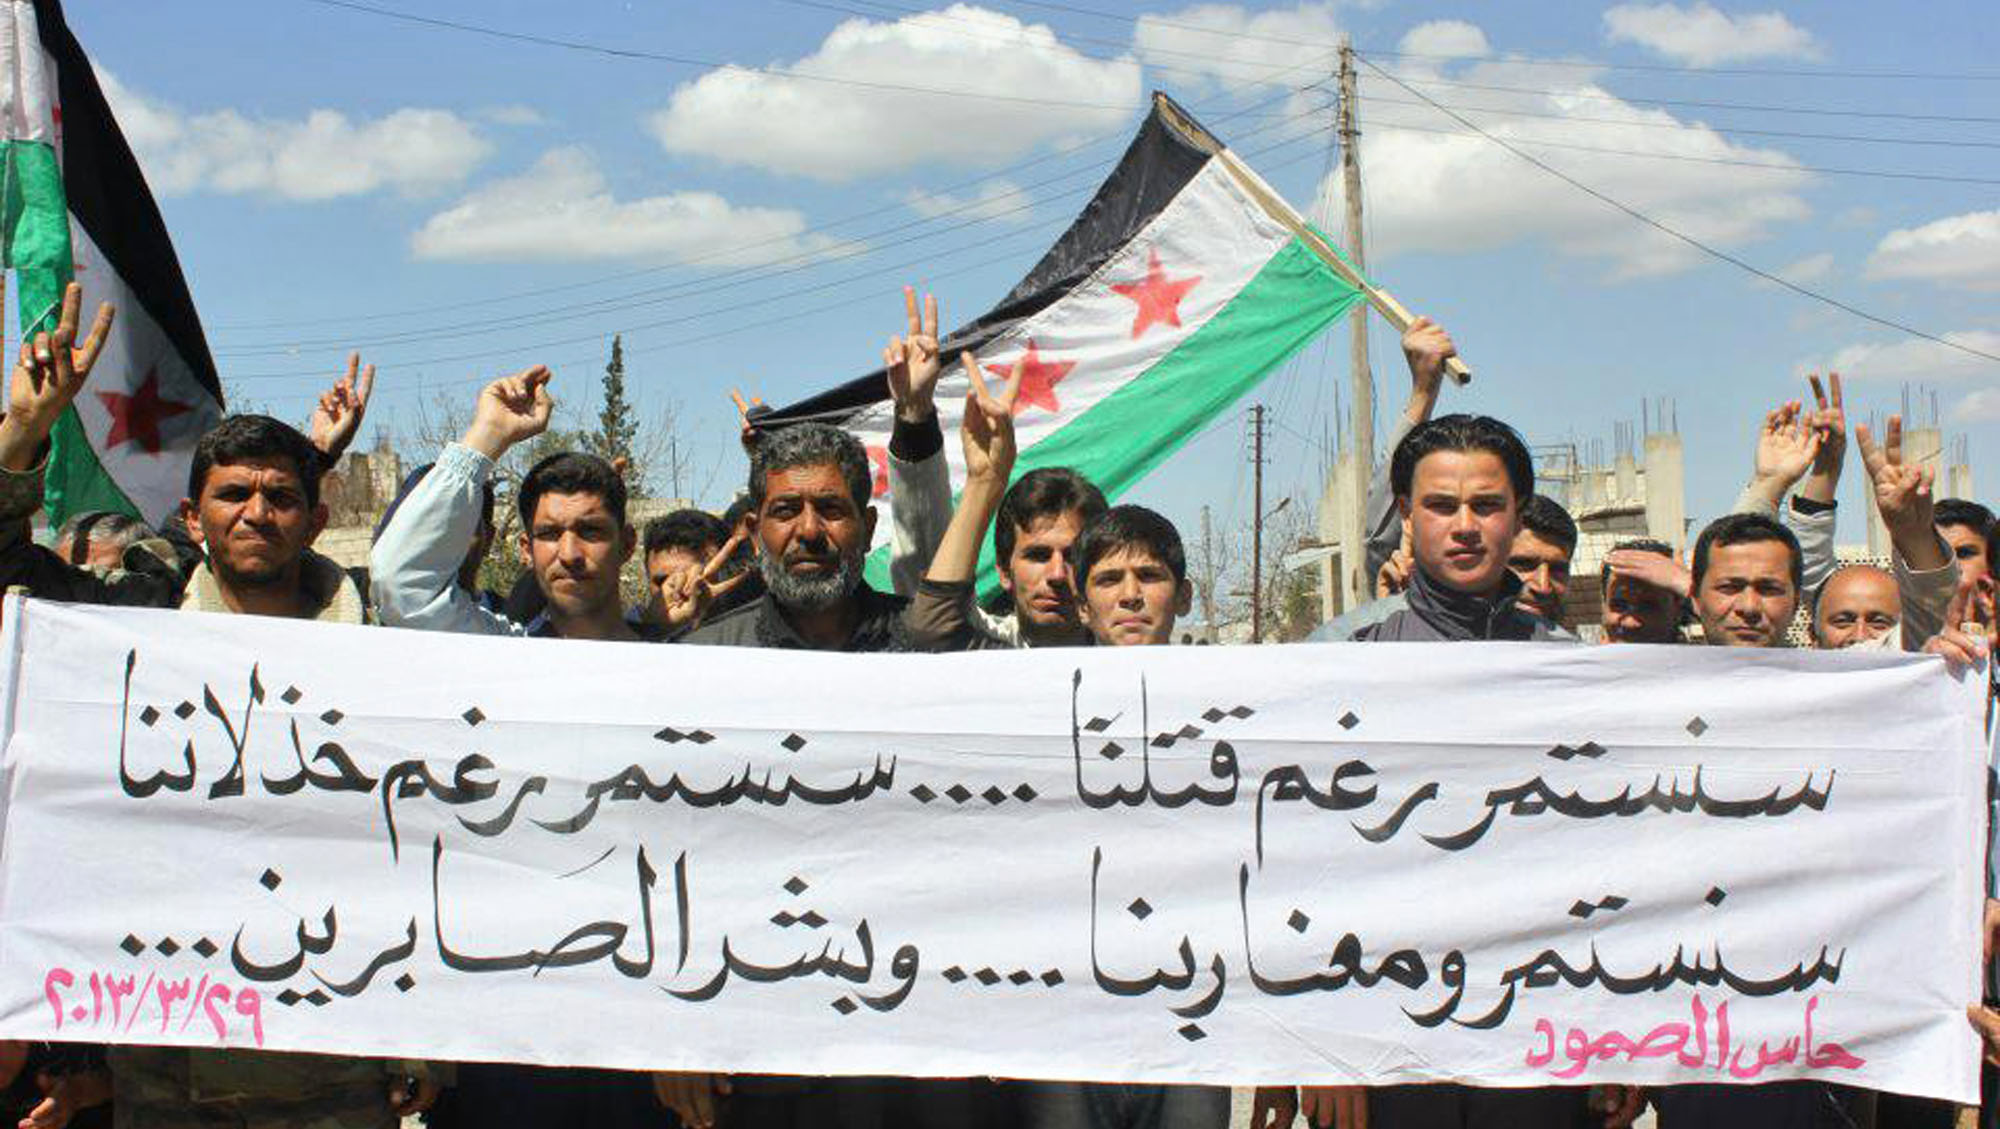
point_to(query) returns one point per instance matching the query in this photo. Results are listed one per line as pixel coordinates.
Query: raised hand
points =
(1962, 643)
(510, 410)
(338, 417)
(912, 360)
(746, 413)
(1903, 496)
(689, 594)
(1426, 348)
(988, 429)
(1651, 568)
(1829, 421)
(49, 372)
(1786, 448)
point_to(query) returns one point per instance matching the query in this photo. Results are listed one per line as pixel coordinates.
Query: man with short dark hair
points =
(1461, 482)
(254, 507)
(574, 536)
(574, 540)
(1541, 556)
(1034, 541)
(1134, 575)
(1748, 572)
(811, 521)
(1964, 526)
(677, 550)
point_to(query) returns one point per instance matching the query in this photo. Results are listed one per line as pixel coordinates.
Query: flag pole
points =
(1395, 313)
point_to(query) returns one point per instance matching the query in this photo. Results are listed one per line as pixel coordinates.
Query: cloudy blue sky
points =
(457, 205)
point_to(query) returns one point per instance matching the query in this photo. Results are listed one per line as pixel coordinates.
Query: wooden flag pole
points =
(1385, 303)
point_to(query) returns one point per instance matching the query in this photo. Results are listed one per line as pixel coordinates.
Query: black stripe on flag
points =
(109, 199)
(1160, 162)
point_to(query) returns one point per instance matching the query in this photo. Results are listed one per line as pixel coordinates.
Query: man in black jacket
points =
(1461, 481)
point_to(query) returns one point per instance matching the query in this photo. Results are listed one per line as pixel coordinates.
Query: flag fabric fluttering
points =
(76, 208)
(1184, 283)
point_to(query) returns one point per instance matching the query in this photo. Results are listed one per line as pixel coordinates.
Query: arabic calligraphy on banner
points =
(1501, 863)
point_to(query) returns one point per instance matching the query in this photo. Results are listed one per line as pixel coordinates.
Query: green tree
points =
(617, 426)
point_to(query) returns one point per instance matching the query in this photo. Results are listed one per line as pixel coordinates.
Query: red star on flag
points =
(136, 418)
(1038, 380)
(1158, 297)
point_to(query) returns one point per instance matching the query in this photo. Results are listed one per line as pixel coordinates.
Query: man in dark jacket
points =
(1461, 482)
(811, 523)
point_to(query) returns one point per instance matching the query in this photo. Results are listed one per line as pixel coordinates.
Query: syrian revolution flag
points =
(1183, 284)
(77, 208)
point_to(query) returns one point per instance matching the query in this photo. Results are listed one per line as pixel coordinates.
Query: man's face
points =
(1635, 612)
(254, 520)
(1131, 599)
(575, 547)
(1746, 598)
(1543, 567)
(1038, 572)
(663, 566)
(1859, 604)
(1968, 548)
(811, 536)
(1463, 519)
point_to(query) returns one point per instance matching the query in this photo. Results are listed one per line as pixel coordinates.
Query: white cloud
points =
(1860, 215)
(1982, 406)
(513, 114)
(324, 155)
(772, 121)
(1962, 250)
(995, 200)
(1703, 36)
(1914, 359)
(1456, 192)
(1812, 268)
(1225, 45)
(1446, 39)
(562, 209)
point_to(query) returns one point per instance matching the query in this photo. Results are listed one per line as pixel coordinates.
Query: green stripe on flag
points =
(1128, 433)
(37, 247)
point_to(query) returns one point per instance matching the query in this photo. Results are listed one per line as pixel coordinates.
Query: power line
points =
(1771, 165)
(766, 300)
(633, 53)
(977, 210)
(1676, 233)
(1949, 143)
(1971, 76)
(1686, 102)
(1117, 135)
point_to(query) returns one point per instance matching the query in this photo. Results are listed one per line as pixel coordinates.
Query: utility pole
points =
(1257, 523)
(1363, 398)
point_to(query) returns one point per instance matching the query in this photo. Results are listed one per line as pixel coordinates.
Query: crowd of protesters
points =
(1460, 545)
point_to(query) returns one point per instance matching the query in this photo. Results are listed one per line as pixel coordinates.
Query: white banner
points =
(1503, 863)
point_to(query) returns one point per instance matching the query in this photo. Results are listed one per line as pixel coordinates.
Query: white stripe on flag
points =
(1210, 232)
(141, 392)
